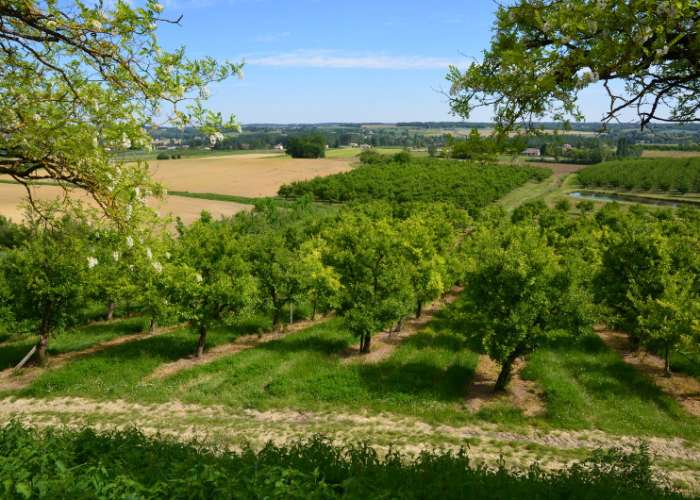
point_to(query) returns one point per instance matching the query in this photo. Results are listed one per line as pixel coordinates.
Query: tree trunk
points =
(313, 312)
(365, 342)
(504, 375)
(419, 309)
(152, 326)
(667, 361)
(110, 310)
(276, 313)
(41, 354)
(202, 339)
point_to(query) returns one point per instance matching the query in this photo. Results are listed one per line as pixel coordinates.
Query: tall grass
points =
(127, 464)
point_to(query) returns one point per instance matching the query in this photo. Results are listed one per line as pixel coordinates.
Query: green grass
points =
(353, 152)
(426, 376)
(120, 371)
(127, 464)
(13, 349)
(228, 197)
(587, 385)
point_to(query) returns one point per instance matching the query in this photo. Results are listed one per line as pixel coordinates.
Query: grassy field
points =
(585, 385)
(13, 348)
(354, 152)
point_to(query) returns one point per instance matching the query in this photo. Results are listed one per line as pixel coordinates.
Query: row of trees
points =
(402, 179)
(375, 265)
(531, 277)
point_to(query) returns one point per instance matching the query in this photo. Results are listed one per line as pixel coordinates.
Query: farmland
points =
(430, 375)
(247, 176)
(193, 307)
(467, 186)
(678, 175)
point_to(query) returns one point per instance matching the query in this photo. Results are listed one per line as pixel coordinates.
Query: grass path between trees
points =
(685, 389)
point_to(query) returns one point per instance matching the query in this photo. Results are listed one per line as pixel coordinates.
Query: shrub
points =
(307, 146)
(163, 156)
(371, 157)
(127, 464)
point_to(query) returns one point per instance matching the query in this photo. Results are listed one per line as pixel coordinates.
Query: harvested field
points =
(252, 175)
(670, 154)
(12, 198)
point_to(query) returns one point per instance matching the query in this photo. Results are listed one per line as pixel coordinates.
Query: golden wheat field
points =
(251, 175)
(13, 197)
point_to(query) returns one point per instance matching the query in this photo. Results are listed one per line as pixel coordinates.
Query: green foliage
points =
(468, 186)
(544, 53)
(307, 146)
(81, 84)
(45, 277)
(474, 147)
(121, 464)
(371, 156)
(376, 291)
(521, 292)
(209, 280)
(661, 174)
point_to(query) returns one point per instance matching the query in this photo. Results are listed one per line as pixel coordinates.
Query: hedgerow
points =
(127, 464)
(469, 186)
(661, 174)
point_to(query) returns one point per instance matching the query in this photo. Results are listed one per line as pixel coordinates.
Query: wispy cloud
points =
(335, 59)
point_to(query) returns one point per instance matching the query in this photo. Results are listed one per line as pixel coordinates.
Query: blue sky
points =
(335, 60)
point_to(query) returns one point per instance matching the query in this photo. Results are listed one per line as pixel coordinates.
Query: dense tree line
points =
(468, 186)
(529, 277)
(660, 174)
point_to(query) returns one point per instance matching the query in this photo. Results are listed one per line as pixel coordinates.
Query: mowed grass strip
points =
(587, 385)
(119, 372)
(426, 376)
(13, 348)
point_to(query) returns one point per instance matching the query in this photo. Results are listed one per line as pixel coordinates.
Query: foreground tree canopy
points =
(544, 53)
(79, 83)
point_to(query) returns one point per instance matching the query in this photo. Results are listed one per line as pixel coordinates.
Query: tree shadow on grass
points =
(11, 354)
(308, 343)
(603, 374)
(417, 379)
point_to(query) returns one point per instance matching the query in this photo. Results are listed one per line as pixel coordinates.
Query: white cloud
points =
(335, 59)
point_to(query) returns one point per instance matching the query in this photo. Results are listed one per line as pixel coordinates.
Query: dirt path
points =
(11, 379)
(684, 388)
(232, 427)
(240, 344)
(525, 395)
(384, 343)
